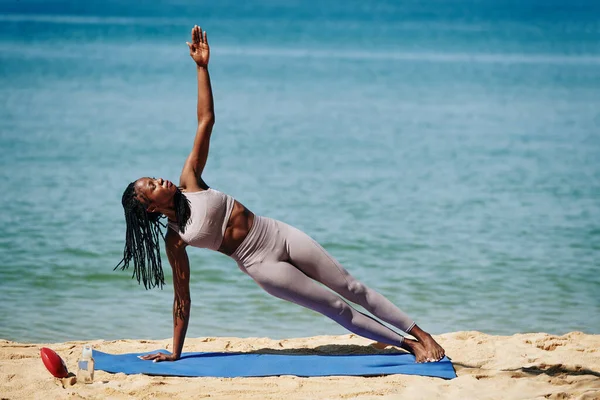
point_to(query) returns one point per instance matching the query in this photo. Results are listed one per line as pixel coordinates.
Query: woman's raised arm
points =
(191, 176)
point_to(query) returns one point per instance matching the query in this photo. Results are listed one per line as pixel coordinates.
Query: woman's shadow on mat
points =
(325, 350)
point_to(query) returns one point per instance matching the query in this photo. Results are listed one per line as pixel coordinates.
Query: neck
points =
(170, 214)
(180, 203)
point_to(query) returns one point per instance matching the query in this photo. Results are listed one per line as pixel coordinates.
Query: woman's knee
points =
(356, 288)
(340, 310)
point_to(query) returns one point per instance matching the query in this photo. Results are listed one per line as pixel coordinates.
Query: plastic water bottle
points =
(85, 366)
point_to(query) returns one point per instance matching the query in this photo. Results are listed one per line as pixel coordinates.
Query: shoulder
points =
(189, 183)
(173, 240)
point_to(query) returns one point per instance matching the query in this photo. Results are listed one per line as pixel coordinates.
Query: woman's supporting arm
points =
(182, 303)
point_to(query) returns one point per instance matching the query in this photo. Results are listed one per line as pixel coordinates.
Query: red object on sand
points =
(54, 363)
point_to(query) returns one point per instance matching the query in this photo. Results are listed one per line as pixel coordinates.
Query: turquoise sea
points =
(447, 153)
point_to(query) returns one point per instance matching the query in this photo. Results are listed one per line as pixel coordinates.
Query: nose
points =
(160, 181)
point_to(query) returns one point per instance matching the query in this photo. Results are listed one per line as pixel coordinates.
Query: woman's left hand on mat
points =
(158, 357)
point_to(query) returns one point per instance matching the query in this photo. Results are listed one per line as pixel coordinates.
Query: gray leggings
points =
(286, 263)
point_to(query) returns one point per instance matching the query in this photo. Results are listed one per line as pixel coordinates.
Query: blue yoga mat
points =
(230, 365)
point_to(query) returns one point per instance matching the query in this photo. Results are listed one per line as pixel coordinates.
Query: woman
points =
(281, 259)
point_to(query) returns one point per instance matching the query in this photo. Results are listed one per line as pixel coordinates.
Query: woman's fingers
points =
(198, 35)
(199, 41)
(155, 357)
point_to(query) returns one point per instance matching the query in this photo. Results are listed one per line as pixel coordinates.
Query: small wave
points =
(86, 20)
(438, 57)
(71, 251)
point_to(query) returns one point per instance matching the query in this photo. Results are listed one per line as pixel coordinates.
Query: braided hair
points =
(142, 244)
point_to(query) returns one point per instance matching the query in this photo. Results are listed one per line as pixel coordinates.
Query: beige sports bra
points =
(209, 213)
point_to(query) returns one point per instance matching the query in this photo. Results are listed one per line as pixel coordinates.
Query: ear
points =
(149, 206)
(145, 202)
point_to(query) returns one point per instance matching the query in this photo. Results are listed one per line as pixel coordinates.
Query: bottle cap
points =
(86, 353)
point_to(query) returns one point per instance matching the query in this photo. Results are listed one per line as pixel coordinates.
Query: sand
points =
(522, 366)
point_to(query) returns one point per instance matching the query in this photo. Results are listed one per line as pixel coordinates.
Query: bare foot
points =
(433, 351)
(416, 348)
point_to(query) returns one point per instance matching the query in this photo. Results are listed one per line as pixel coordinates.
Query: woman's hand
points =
(158, 357)
(199, 49)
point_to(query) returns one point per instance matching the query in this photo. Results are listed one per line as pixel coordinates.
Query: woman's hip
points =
(265, 241)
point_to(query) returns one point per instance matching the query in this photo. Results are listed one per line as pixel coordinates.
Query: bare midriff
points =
(239, 224)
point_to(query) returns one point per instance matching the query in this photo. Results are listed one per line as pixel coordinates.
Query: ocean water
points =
(448, 154)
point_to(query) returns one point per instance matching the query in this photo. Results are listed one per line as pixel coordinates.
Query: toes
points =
(421, 359)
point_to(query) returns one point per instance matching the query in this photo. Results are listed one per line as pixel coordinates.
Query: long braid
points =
(142, 238)
(182, 210)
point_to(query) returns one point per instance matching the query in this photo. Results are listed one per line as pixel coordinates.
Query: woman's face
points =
(155, 193)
